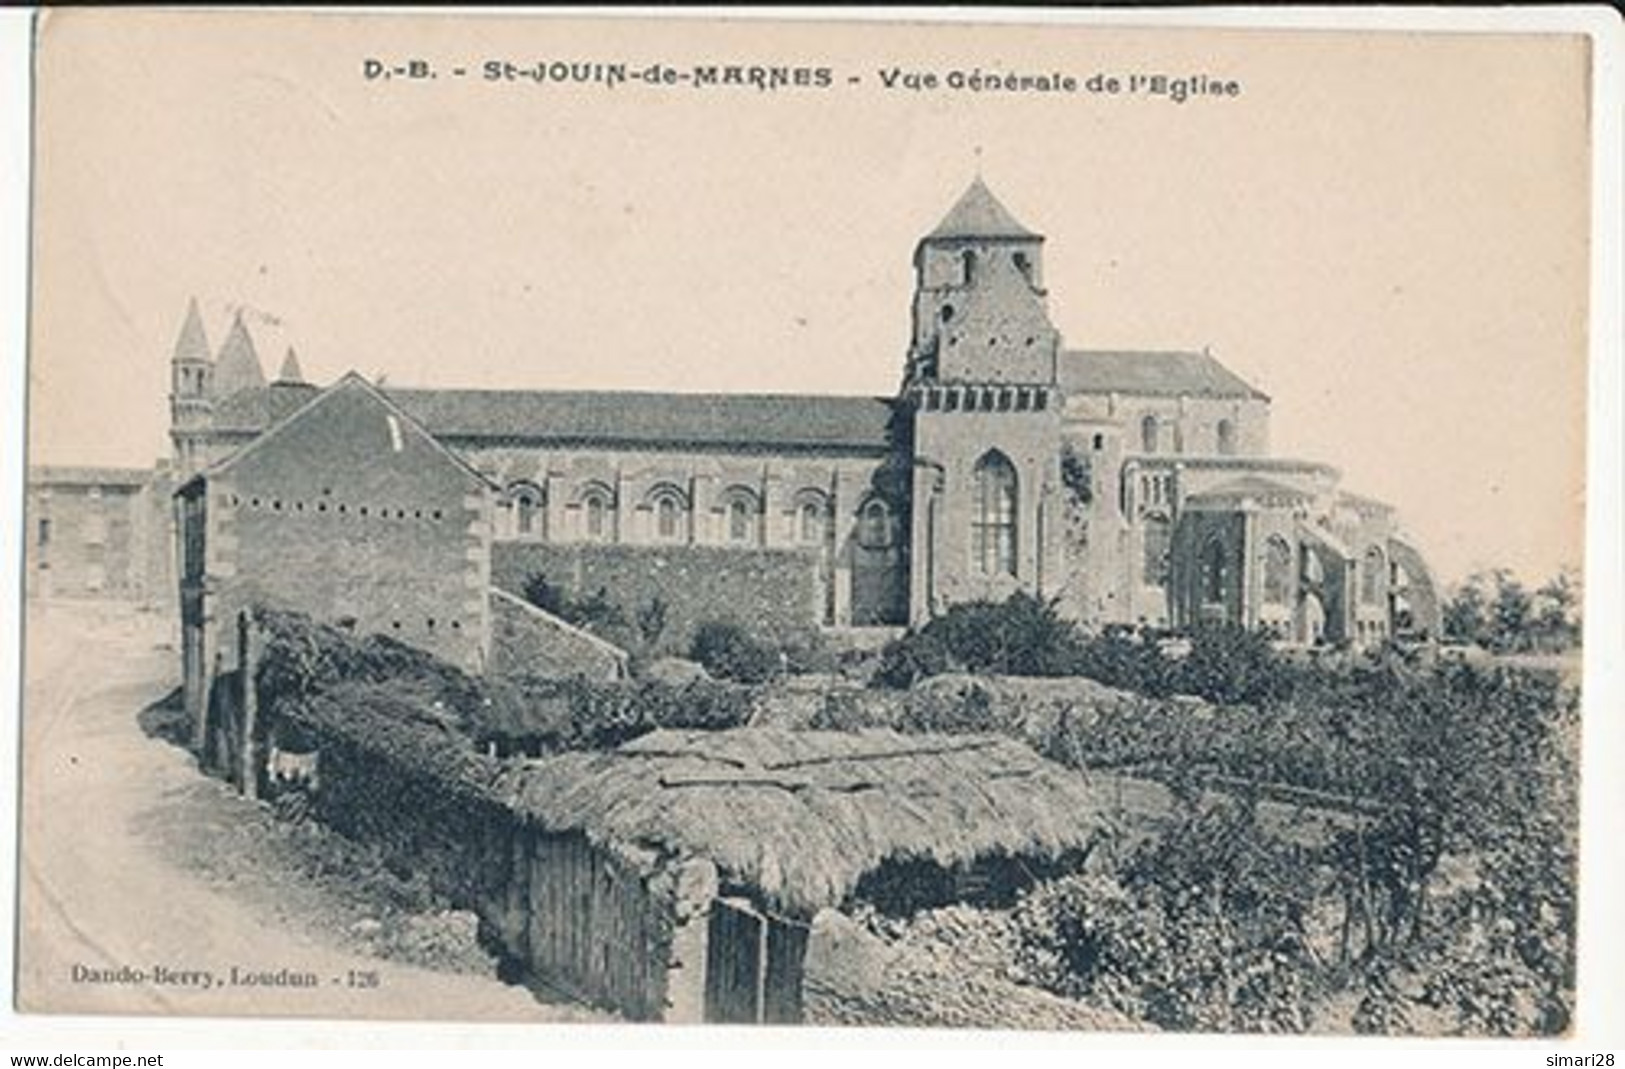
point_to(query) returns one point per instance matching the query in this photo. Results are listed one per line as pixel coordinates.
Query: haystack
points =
(802, 816)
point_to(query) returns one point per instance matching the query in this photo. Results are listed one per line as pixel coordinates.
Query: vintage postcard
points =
(863, 522)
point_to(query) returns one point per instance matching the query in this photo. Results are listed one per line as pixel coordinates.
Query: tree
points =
(1557, 613)
(1466, 612)
(1511, 614)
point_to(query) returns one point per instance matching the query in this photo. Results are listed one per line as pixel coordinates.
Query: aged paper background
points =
(1387, 232)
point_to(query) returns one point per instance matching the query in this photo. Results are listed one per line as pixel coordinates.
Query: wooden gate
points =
(753, 966)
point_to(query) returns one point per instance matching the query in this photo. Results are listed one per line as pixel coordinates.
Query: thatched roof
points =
(803, 815)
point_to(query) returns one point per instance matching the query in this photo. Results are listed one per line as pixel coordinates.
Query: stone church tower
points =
(981, 386)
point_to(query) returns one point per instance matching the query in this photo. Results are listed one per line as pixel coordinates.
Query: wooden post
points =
(249, 772)
(761, 966)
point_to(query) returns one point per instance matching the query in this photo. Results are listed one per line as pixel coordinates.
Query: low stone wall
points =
(854, 977)
(773, 593)
(528, 641)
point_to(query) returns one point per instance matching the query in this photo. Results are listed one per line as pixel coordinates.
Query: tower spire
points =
(192, 344)
(239, 365)
(290, 372)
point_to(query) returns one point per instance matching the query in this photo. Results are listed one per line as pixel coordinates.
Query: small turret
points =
(289, 374)
(191, 391)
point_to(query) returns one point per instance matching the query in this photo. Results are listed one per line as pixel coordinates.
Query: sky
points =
(1387, 233)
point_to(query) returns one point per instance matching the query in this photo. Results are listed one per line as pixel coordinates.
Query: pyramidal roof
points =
(192, 345)
(978, 214)
(239, 365)
(290, 371)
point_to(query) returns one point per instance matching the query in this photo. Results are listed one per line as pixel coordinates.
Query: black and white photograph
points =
(859, 522)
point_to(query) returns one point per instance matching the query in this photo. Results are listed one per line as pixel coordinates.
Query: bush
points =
(728, 651)
(1021, 636)
(1202, 930)
(537, 716)
(1231, 665)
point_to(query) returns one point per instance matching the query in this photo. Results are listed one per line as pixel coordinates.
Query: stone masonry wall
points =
(773, 593)
(526, 640)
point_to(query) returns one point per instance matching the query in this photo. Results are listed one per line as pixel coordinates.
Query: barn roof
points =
(804, 815)
(1157, 373)
(303, 401)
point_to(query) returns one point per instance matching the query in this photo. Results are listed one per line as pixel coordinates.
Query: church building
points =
(1132, 487)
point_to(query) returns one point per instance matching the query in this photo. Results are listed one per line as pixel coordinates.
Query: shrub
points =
(728, 651)
(1202, 930)
(1232, 665)
(1021, 636)
(907, 660)
(595, 612)
(537, 716)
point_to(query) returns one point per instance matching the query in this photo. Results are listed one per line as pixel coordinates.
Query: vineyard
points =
(1445, 904)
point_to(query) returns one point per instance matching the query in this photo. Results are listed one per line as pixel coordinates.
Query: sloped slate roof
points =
(256, 408)
(61, 475)
(978, 214)
(652, 418)
(608, 416)
(1154, 373)
(1255, 487)
(238, 367)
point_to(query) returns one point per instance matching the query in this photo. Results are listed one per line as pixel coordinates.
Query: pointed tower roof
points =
(192, 345)
(978, 214)
(290, 372)
(239, 365)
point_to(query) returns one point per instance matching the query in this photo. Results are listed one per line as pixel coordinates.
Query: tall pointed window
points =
(1226, 438)
(1277, 572)
(1213, 572)
(994, 528)
(1158, 541)
(1372, 568)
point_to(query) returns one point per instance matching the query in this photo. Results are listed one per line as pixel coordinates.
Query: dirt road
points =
(112, 920)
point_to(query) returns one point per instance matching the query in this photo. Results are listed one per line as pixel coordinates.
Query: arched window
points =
(812, 520)
(1372, 568)
(1158, 540)
(968, 260)
(994, 529)
(527, 509)
(670, 513)
(595, 504)
(1226, 437)
(1149, 432)
(874, 524)
(741, 512)
(1277, 572)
